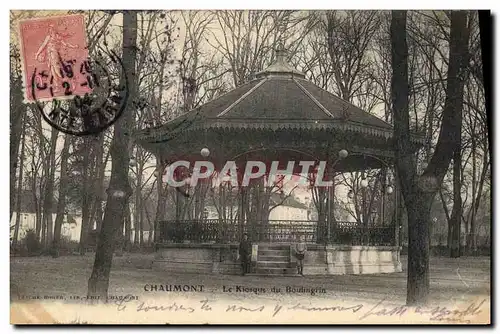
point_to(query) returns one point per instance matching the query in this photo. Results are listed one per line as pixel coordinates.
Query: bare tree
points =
(119, 188)
(419, 191)
(249, 38)
(61, 202)
(19, 188)
(17, 114)
(349, 35)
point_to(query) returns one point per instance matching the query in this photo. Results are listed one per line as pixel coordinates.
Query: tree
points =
(17, 117)
(419, 190)
(19, 188)
(91, 149)
(249, 38)
(119, 188)
(61, 202)
(349, 35)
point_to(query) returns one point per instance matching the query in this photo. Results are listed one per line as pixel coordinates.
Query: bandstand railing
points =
(219, 231)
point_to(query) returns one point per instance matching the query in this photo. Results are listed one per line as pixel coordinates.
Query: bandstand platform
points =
(205, 248)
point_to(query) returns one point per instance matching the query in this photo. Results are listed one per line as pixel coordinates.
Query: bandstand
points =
(278, 116)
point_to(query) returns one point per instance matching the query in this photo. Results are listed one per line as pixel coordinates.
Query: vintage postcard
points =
(250, 167)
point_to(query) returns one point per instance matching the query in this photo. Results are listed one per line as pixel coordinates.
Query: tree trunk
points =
(456, 213)
(61, 202)
(38, 183)
(17, 115)
(97, 198)
(43, 231)
(137, 205)
(49, 190)
(419, 209)
(419, 191)
(19, 189)
(150, 225)
(119, 188)
(101, 168)
(128, 229)
(474, 187)
(38, 219)
(141, 226)
(86, 202)
(477, 200)
(449, 236)
(160, 204)
(98, 216)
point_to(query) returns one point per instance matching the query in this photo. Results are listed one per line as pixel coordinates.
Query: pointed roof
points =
(280, 67)
(279, 97)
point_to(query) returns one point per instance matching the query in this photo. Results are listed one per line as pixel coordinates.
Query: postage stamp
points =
(74, 93)
(51, 47)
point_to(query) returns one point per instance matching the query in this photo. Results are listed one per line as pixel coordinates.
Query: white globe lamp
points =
(205, 152)
(390, 190)
(363, 183)
(343, 154)
(119, 193)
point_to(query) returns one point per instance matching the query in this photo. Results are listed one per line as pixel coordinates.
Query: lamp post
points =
(388, 190)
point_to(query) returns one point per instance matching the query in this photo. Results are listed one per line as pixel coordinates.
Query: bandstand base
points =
(342, 260)
(198, 258)
(319, 260)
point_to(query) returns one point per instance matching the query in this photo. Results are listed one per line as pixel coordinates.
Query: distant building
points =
(70, 228)
(288, 208)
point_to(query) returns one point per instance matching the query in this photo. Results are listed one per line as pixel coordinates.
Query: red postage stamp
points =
(55, 57)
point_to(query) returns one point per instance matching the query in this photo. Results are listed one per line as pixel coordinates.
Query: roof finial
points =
(281, 53)
(280, 65)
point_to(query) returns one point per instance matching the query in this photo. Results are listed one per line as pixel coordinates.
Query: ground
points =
(452, 280)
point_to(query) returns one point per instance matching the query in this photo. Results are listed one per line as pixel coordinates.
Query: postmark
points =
(74, 93)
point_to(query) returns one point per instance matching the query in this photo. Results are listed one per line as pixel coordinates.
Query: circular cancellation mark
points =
(88, 114)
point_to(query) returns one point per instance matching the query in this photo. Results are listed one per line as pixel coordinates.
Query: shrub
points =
(30, 241)
(69, 245)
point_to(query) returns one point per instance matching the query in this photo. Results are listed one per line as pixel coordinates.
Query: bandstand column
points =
(241, 213)
(242, 191)
(160, 203)
(383, 197)
(330, 204)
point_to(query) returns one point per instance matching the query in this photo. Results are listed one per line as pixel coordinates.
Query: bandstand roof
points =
(279, 99)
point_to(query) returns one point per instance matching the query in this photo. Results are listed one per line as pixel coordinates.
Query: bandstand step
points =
(273, 264)
(294, 274)
(275, 271)
(273, 252)
(278, 258)
(274, 260)
(274, 247)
